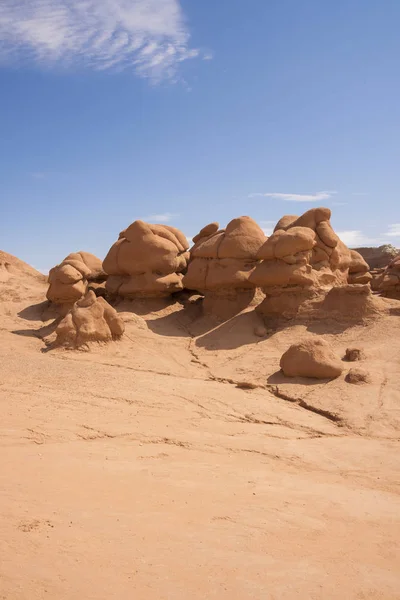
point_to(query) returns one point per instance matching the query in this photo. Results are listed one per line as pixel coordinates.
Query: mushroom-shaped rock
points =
(388, 283)
(221, 262)
(311, 358)
(69, 280)
(91, 319)
(146, 261)
(358, 269)
(301, 262)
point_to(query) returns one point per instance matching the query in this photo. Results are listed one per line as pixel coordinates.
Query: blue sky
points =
(191, 111)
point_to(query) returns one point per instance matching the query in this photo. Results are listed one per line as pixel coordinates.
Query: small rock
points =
(260, 331)
(358, 376)
(311, 358)
(354, 354)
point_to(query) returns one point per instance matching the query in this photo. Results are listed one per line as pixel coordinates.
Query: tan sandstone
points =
(91, 319)
(146, 261)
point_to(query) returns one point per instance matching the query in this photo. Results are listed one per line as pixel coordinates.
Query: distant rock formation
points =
(311, 358)
(378, 258)
(221, 263)
(306, 268)
(91, 319)
(69, 280)
(388, 282)
(146, 261)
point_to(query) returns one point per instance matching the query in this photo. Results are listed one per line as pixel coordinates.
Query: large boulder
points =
(146, 261)
(302, 261)
(91, 319)
(358, 269)
(221, 263)
(68, 281)
(311, 358)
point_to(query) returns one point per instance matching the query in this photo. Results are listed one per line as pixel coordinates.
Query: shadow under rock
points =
(36, 312)
(278, 378)
(142, 306)
(187, 322)
(40, 333)
(238, 331)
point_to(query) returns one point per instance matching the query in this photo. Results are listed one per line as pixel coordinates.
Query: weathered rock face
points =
(388, 283)
(302, 261)
(221, 264)
(358, 269)
(91, 319)
(69, 280)
(146, 261)
(311, 358)
(378, 258)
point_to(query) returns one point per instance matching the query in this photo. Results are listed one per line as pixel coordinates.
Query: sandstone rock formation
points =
(311, 358)
(304, 263)
(221, 264)
(358, 269)
(69, 280)
(388, 283)
(378, 258)
(91, 319)
(146, 261)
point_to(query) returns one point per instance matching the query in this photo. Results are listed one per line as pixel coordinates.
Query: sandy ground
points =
(179, 464)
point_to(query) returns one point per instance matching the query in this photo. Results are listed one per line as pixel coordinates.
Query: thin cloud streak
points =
(319, 196)
(160, 218)
(394, 230)
(148, 36)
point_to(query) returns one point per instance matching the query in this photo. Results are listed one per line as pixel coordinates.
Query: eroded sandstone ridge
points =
(146, 261)
(91, 319)
(222, 261)
(388, 282)
(68, 281)
(305, 268)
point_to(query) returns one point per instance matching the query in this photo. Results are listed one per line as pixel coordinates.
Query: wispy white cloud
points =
(319, 196)
(356, 239)
(394, 230)
(150, 36)
(38, 175)
(160, 218)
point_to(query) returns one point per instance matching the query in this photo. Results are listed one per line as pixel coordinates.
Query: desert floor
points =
(179, 464)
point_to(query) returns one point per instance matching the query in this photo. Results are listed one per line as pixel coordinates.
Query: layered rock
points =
(388, 283)
(378, 258)
(222, 261)
(69, 280)
(311, 358)
(304, 263)
(358, 269)
(146, 261)
(91, 319)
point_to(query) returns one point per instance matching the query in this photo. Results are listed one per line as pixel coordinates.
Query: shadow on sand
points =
(278, 378)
